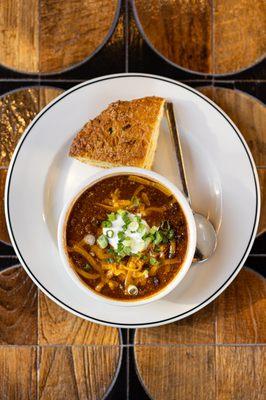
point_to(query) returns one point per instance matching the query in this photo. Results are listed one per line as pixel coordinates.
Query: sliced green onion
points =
(121, 235)
(106, 224)
(127, 241)
(142, 228)
(127, 250)
(133, 226)
(87, 267)
(111, 217)
(153, 230)
(110, 234)
(153, 261)
(147, 241)
(158, 238)
(120, 247)
(102, 241)
(137, 218)
(121, 212)
(126, 218)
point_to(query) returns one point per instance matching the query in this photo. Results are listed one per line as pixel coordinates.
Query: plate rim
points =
(142, 324)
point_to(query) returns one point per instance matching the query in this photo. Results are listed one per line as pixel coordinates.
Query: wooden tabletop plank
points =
(262, 178)
(177, 372)
(214, 37)
(76, 373)
(249, 115)
(18, 374)
(239, 34)
(82, 28)
(52, 35)
(58, 326)
(19, 34)
(18, 307)
(241, 373)
(237, 316)
(202, 372)
(179, 30)
(240, 310)
(198, 328)
(17, 110)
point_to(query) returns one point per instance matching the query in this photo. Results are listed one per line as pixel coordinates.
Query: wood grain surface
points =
(18, 308)
(179, 30)
(177, 372)
(249, 115)
(237, 316)
(202, 372)
(239, 34)
(262, 178)
(19, 36)
(17, 110)
(240, 310)
(70, 31)
(76, 373)
(58, 326)
(241, 373)
(46, 94)
(198, 328)
(3, 228)
(18, 373)
(214, 37)
(52, 35)
(222, 370)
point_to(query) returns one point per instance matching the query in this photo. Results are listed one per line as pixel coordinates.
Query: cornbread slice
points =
(125, 133)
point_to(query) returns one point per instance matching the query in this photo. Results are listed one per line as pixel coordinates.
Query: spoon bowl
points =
(206, 237)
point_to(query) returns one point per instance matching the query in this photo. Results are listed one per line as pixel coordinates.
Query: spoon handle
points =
(169, 109)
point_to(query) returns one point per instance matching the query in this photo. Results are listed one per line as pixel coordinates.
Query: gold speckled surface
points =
(17, 110)
(3, 229)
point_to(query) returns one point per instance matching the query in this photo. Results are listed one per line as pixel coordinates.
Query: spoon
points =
(206, 235)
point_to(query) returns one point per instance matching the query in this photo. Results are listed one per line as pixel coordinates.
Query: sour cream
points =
(132, 233)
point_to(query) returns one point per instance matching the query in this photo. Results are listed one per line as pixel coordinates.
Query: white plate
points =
(222, 180)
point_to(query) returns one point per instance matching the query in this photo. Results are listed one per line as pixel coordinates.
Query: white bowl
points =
(186, 210)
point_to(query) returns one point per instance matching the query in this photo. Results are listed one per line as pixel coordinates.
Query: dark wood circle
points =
(204, 36)
(249, 115)
(53, 35)
(17, 110)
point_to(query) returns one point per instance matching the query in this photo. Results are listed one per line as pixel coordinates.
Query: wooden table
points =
(47, 46)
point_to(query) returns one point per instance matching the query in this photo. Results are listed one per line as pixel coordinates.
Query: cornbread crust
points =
(125, 133)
